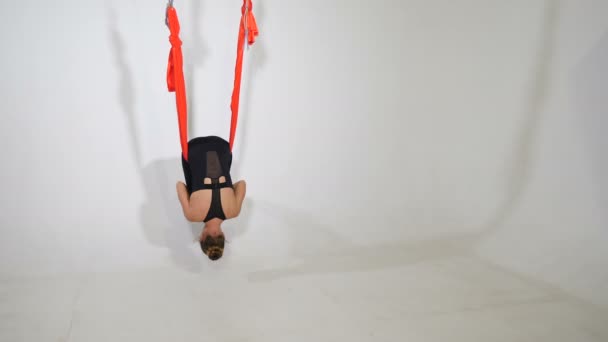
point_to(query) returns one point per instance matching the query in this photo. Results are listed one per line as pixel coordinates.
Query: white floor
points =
(397, 296)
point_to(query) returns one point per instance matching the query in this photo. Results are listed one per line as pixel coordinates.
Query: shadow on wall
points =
(522, 154)
(161, 215)
(320, 251)
(590, 84)
(126, 91)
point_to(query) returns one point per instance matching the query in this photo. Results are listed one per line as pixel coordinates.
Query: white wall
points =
(362, 124)
(558, 224)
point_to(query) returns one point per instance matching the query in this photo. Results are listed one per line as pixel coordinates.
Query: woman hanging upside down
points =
(209, 195)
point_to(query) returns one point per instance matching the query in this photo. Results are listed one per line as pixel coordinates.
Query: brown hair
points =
(213, 247)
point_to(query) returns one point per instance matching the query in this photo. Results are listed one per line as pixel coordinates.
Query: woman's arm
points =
(184, 199)
(240, 189)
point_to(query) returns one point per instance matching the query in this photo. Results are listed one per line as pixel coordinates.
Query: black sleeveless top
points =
(208, 157)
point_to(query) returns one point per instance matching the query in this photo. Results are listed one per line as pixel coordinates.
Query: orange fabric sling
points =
(248, 26)
(175, 78)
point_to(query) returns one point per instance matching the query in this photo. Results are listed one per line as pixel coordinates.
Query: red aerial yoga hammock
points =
(175, 75)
